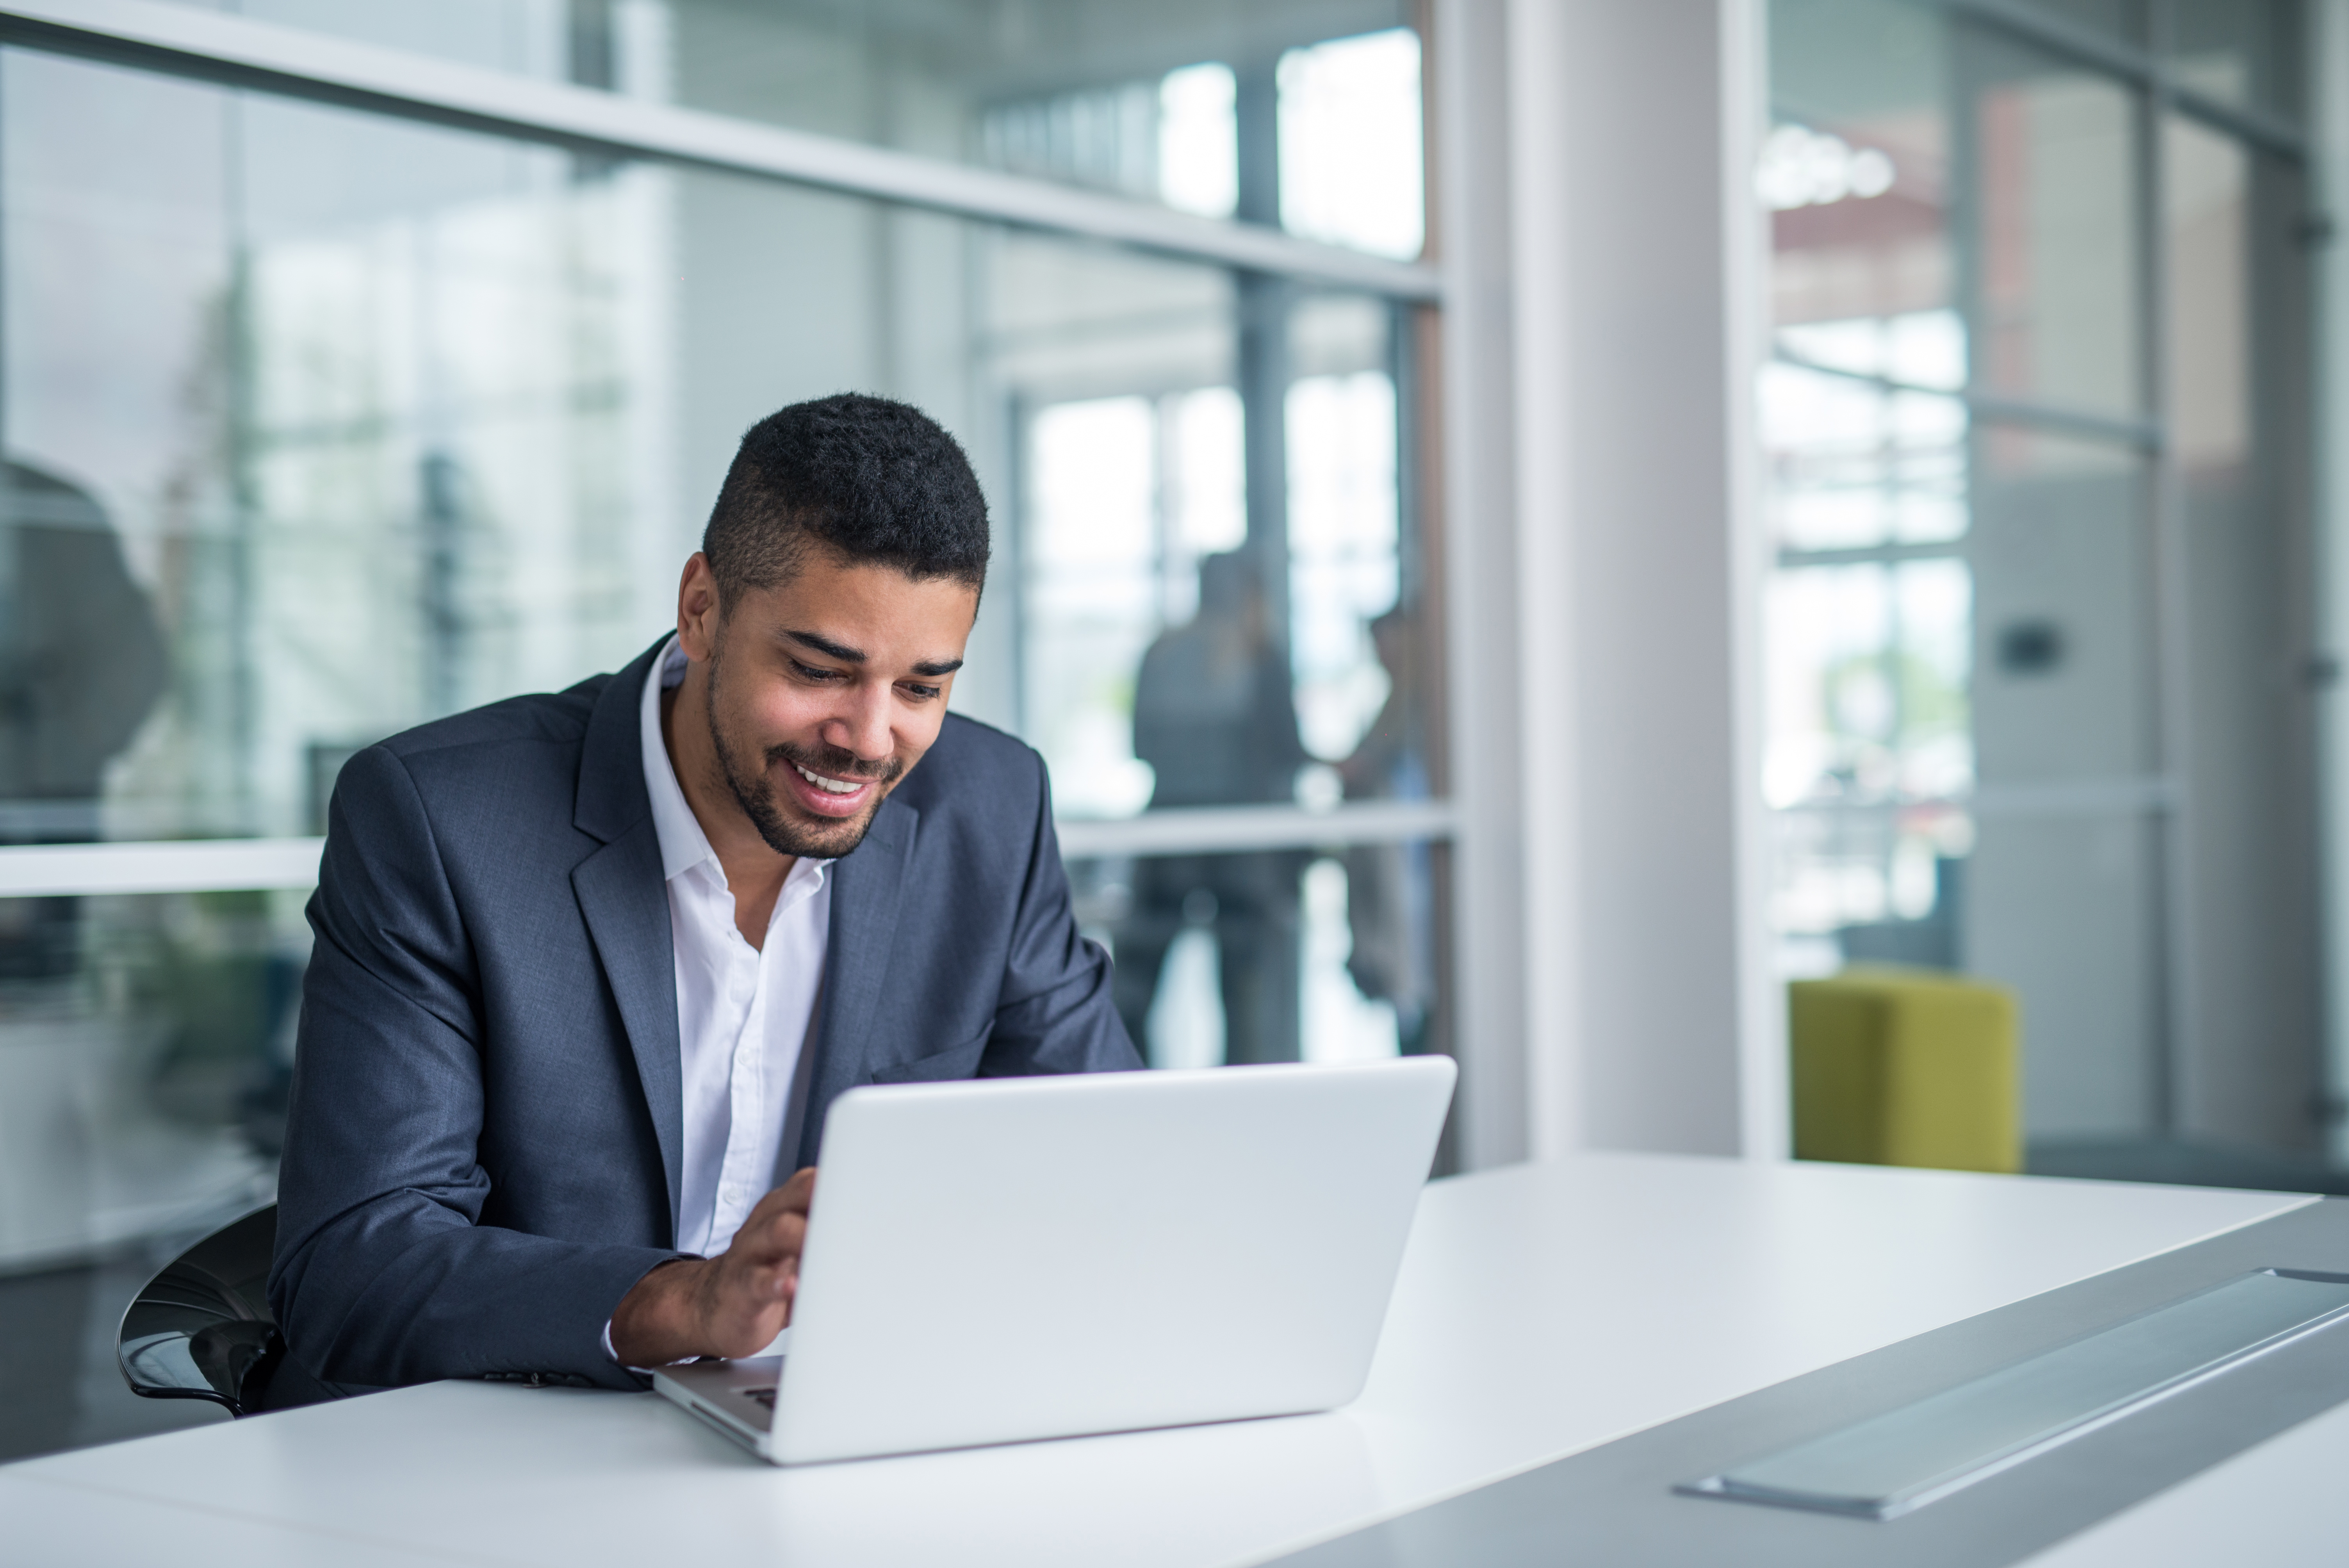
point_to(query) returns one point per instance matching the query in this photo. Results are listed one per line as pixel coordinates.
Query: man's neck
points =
(754, 871)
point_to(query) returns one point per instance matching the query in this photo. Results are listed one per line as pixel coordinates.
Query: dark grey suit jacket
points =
(485, 1145)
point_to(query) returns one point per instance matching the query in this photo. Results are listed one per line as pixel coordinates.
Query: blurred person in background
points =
(1389, 887)
(1214, 717)
(81, 665)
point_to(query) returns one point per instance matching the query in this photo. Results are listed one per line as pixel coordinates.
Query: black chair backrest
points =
(202, 1329)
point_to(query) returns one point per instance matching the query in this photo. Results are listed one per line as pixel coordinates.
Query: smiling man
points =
(590, 968)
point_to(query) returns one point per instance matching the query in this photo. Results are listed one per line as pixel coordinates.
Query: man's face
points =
(825, 691)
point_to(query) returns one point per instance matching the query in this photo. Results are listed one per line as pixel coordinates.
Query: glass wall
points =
(321, 424)
(2040, 629)
(1140, 99)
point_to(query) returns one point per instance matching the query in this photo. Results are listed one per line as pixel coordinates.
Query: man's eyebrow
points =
(826, 646)
(846, 655)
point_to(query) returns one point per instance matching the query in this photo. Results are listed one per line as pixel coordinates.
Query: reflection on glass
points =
(1343, 545)
(2250, 1021)
(142, 1083)
(1870, 758)
(2062, 607)
(2064, 908)
(1868, 682)
(2245, 52)
(1177, 652)
(143, 1072)
(2206, 204)
(2056, 202)
(2023, 720)
(1127, 496)
(1278, 956)
(2062, 887)
(1125, 95)
(376, 445)
(81, 666)
(387, 421)
(1198, 147)
(2121, 19)
(1857, 459)
(1857, 172)
(1215, 717)
(1350, 144)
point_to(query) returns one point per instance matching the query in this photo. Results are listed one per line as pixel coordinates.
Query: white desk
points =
(1542, 1310)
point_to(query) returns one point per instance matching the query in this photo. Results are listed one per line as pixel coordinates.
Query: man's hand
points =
(732, 1304)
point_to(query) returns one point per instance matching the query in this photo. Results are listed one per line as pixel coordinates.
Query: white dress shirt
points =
(743, 1013)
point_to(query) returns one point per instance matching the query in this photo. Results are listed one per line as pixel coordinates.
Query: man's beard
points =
(754, 792)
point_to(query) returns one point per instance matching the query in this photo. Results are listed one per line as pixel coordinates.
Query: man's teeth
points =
(829, 786)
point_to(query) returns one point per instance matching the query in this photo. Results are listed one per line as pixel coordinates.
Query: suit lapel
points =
(624, 899)
(867, 890)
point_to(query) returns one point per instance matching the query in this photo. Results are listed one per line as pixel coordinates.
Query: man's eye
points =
(812, 672)
(920, 693)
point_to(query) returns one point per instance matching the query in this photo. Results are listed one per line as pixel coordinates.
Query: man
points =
(590, 968)
(1214, 715)
(82, 664)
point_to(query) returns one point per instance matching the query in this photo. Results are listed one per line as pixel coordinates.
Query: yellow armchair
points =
(1905, 1067)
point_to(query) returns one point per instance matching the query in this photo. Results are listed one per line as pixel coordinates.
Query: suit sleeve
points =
(1054, 1013)
(384, 1274)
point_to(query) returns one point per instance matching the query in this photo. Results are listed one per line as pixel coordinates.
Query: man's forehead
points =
(851, 594)
(878, 616)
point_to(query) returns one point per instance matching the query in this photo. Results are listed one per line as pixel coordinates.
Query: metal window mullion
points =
(2169, 624)
(2146, 68)
(212, 865)
(186, 41)
(203, 865)
(1796, 558)
(2146, 433)
(2267, 135)
(1242, 830)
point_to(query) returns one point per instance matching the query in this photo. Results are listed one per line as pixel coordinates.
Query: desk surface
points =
(1542, 1310)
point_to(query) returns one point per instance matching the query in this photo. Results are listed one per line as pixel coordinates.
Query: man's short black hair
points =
(874, 480)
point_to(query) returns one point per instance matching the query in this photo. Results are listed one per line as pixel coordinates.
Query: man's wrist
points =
(657, 1322)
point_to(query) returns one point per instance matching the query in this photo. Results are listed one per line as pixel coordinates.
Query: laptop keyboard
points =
(765, 1396)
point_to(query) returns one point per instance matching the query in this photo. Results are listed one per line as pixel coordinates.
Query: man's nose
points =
(860, 723)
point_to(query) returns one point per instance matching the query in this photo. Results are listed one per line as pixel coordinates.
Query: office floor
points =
(59, 1386)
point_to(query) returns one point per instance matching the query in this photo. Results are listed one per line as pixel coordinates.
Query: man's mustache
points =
(834, 762)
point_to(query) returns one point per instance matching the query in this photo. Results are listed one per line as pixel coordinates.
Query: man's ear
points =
(698, 616)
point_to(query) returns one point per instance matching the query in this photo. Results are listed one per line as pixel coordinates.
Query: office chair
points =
(202, 1329)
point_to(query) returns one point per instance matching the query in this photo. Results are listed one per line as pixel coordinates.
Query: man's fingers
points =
(783, 1235)
(761, 1247)
(792, 1198)
(757, 1275)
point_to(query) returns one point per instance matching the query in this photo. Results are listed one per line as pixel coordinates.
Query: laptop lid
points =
(1016, 1258)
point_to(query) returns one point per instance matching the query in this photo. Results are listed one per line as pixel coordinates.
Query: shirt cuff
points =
(613, 1357)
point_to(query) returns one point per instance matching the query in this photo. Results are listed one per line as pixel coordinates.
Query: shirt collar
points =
(683, 844)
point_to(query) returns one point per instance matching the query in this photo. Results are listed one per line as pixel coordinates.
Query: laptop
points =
(1010, 1259)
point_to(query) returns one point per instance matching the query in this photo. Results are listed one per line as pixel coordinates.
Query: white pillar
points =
(1606, 574)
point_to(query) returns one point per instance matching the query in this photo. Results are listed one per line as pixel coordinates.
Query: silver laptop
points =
(1009, 1259)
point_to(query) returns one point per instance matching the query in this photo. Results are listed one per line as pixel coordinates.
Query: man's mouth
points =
(828, 797)
(829, 786)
